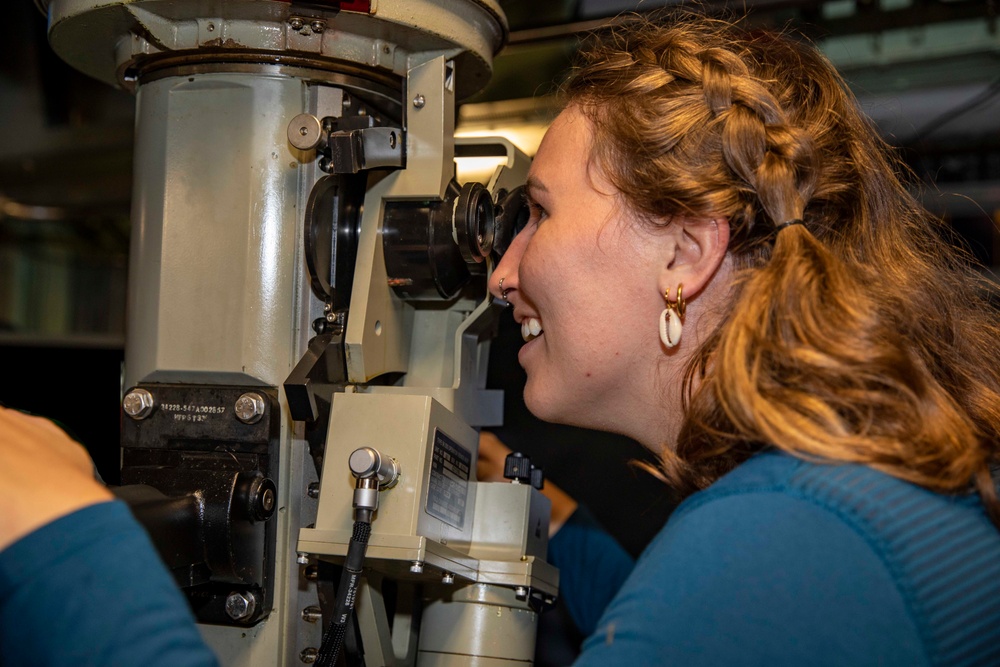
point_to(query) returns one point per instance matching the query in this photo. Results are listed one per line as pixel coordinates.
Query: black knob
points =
(537, 478)
(263, 499)
(517, 468)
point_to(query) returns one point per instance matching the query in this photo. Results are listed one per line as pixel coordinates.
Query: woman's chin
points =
(546, 404)
(539, 402)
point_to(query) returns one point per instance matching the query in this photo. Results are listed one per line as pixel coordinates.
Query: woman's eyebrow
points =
(533, 185)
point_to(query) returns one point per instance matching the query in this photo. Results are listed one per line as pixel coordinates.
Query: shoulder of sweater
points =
(939, 549)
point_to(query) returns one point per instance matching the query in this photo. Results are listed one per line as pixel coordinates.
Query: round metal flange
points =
(105, 39)
(475, 224)
(380, 89)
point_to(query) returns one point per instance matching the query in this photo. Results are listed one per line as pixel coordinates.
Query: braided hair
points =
(860, 336)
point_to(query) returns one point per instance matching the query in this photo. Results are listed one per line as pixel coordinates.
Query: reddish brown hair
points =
(861, 336)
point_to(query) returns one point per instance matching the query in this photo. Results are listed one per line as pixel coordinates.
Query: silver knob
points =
(305, 132)
(367, 462)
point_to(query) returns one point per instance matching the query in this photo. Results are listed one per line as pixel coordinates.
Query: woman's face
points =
(582, 278)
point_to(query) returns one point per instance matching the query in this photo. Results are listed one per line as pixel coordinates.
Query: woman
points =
(722, 264)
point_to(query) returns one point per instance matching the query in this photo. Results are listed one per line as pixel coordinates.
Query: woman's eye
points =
(537, 213)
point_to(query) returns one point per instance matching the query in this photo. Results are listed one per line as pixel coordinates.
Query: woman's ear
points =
(697, 249)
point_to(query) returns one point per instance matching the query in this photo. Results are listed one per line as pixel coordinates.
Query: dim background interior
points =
(927, 72)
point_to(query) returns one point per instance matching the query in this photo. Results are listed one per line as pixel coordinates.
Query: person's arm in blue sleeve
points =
(80, 581)
(90, 589)
(592, 568)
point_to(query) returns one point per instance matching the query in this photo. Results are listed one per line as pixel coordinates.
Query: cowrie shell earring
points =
(671, 319)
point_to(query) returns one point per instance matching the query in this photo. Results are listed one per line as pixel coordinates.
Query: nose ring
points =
(503, 292)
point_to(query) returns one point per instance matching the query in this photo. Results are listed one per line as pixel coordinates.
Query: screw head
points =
(267, 500)
(521, 593)
(318, 26)
(448, 578)
(249, 408)
(296, 24)
(262, 498)
(419, 101)
(312, 614)
(301, 558)
(138, 404)
(313, 490)
(309, 655)
(417, 567)
(241, 606)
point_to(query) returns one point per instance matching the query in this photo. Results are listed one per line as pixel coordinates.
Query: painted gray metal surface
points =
(87, 33)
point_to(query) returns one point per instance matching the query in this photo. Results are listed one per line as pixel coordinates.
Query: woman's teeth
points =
(530, 328)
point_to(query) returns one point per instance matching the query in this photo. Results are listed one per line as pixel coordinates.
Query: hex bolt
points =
(249, 408)
(241, 606)
(309, 655)
(302, 558)
(296, 24)
(521, 593)
(417, 567)
(138, 404)
(318, 26)
(448, 578)
(419, 101)
(312, 614)
(313, 490)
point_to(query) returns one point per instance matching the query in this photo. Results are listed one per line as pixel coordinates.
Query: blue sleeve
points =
(90, 590)
(592, 568)
(757, 579)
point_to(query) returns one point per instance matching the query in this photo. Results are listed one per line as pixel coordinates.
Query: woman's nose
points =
(504, 277)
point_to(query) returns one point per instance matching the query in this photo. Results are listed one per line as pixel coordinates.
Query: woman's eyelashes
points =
(536, 212)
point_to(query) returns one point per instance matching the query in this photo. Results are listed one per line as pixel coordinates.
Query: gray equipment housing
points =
(226, 324)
